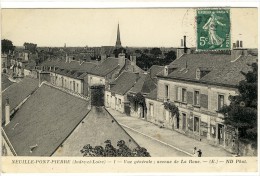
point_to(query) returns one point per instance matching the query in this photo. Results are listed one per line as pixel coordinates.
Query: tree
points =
(110, 151)
(156, 51)
(242, 111)
(170, 56)
(30, 46)
(7, 45)
(117, 51)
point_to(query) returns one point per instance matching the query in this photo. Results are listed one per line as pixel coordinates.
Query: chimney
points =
(237, 44)
(234, 45)
(183, 49)
(133, 59)
(103, 58)
(121, 59)
(7, 112)
(66, 57)
(184, 43)
(238, 51)
(97, 95)
(241, 44)
(137, 76)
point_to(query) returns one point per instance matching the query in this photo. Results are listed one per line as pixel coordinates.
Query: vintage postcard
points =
(129, 90)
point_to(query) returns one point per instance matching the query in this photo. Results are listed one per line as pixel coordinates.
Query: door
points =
(221, 134)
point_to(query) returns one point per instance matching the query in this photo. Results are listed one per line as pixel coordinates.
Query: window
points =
(181, 94)
(220, 101)
(151, 110)
(73, 85)
(119, 102)
(77, 87)
(108, 100)
(184, 121)
(184, 95)
(196, 124)
(167, 91)
(196, 98)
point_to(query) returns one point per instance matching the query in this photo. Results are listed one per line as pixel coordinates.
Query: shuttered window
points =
(204, 101)
(220, 101)
(184, 95)
(196, 98)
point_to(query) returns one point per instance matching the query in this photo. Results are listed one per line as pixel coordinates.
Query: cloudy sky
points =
(97, 27)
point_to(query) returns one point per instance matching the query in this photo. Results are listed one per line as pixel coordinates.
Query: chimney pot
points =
(181, 42)
(237, 44)
(97, 95)
(241, 44)
(184, 43)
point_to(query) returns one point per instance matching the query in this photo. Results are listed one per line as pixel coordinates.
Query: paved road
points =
(155, 148)
(168, 137)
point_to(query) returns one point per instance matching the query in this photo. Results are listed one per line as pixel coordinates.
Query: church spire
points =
(118, 42)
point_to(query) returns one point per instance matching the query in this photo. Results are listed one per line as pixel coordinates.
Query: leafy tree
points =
(110, 151)
(156, 51)
(7, 45)
(117, 51)
(242, 111)
(170, 56)
(30, 46)
(170, 106)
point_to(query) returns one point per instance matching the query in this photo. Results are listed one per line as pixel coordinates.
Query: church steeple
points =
(118, 42)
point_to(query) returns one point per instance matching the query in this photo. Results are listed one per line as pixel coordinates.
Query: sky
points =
(161, 27)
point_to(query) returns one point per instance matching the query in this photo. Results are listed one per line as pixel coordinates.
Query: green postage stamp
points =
(213, 29)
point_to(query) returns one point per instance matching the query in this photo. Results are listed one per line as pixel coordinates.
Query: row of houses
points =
(198, 84)
(30, 129)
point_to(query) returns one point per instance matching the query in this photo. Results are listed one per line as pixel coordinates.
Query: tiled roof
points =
(5, 82)
(31, 65)
(45, 120)
(73, 65)
(222, 70)
(105, 67)
(231, 73)
(124, 82)
(152, 95)
(17, 92)
(144, 85)
(97, 127)
(154, 70)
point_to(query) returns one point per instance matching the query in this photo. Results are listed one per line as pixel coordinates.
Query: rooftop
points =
(17, 92)
(45, 120)
(97, 127)
(220, 68)
(144, 85)
(106, 67)
(124, 82)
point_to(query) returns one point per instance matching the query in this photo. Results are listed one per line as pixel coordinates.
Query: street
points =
(155, 148)
(162, 141)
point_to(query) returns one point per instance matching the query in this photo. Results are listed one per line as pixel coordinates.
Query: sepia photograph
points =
(178, 85)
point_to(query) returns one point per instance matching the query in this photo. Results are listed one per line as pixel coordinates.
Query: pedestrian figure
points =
(194, 150)
(199, 153)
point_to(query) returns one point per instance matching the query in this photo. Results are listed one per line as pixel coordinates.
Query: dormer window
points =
(165, 71)
(198, 74)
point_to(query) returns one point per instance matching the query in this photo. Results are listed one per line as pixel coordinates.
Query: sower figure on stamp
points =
(211, 26)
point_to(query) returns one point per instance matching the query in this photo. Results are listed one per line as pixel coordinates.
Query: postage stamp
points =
(213, 29)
